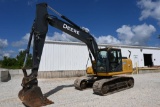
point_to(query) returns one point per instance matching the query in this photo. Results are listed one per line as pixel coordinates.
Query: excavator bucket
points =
(33, 97)
(31, 94)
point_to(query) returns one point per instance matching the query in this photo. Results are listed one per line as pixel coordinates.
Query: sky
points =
(126, 22)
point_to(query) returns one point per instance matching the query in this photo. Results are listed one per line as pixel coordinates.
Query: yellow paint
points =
(126, 68)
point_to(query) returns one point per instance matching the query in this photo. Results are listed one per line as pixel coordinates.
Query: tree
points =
(0, 63)
(20, 59)
(9, 62)
(16, 63)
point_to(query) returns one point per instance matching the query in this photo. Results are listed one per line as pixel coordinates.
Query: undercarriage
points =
(104, 85)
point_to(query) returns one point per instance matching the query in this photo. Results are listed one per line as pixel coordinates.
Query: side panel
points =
(60, 57)
(127, 65)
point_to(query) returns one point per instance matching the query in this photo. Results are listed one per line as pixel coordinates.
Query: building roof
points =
(103, 45)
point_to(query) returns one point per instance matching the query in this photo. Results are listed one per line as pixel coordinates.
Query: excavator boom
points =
(31, 95)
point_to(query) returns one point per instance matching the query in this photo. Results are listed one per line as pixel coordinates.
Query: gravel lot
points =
(145, 93)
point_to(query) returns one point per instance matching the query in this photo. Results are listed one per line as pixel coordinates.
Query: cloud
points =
(6, 54)
(128, 35)
(21, 42)
(135, 35)
(3, 43)
(62, 37)
(107, 40)
(66, 37)
(21, 50)
(85, 29)
(149, 9)
(9, 53)
(1, 54)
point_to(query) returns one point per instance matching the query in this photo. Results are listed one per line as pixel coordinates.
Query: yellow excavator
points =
(106, 62)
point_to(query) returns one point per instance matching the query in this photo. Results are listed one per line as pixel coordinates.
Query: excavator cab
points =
(109, 60)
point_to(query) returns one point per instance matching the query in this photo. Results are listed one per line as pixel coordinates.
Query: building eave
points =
(102, 45)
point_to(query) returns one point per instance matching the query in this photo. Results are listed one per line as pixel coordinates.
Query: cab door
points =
(115, 60)
(102, 60)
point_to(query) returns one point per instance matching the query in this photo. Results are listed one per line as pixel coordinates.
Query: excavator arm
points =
(40, 28)
(31, 95)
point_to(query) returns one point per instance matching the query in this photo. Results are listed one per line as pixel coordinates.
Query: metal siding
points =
(59, 56)
(155, 55)
(134, 52)
(139, 53)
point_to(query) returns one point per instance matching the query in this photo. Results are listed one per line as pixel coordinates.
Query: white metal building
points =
(63, 56)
